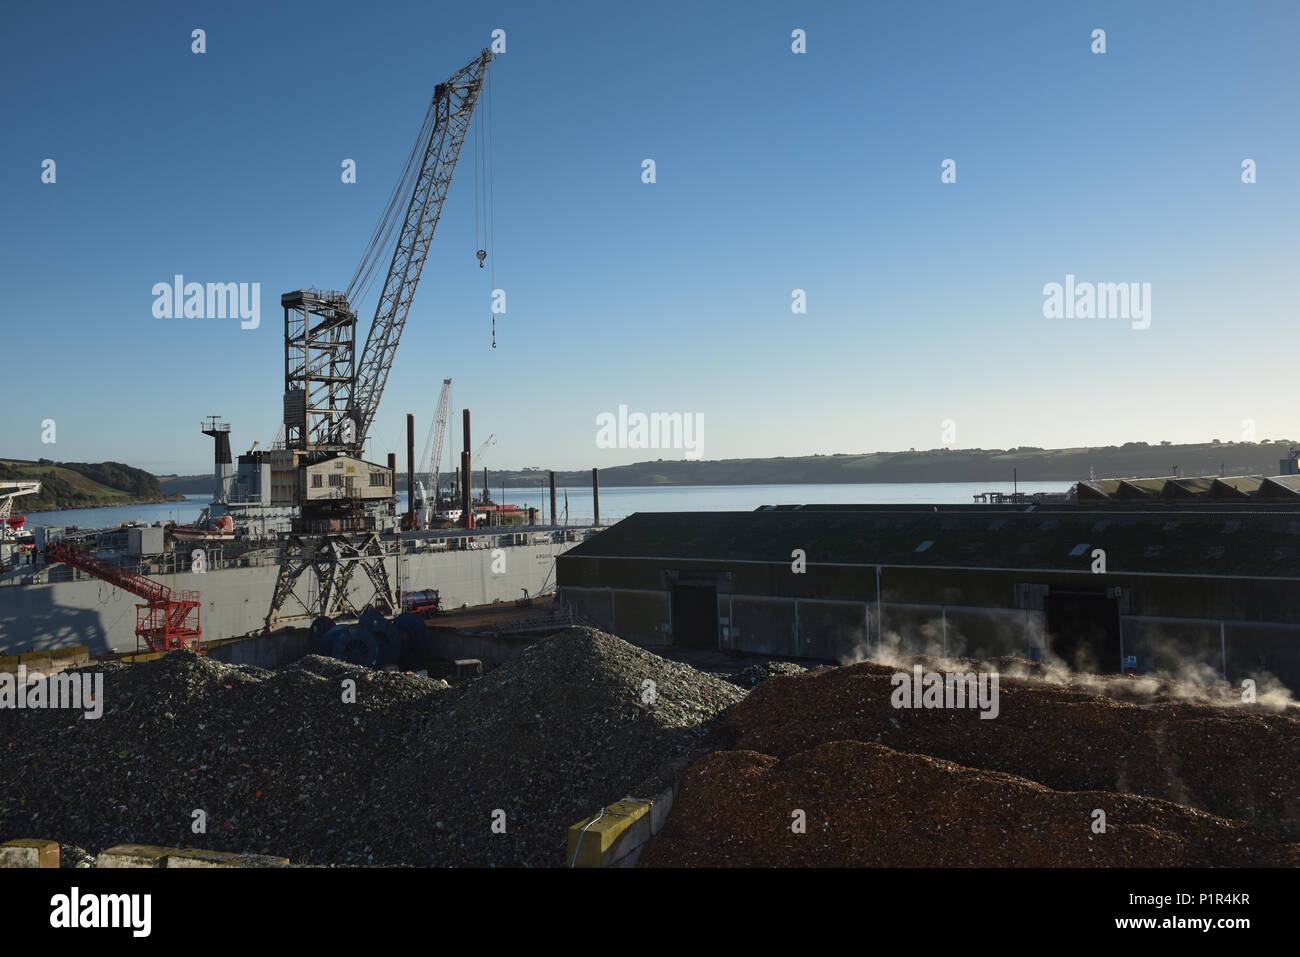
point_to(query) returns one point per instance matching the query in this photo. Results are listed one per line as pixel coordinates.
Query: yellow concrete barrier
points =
(143, 656)
(35, 661)
(602, 839)
(134, 855)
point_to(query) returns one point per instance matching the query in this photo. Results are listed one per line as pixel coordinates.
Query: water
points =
(182, 513)
(620, 502)
(617, 502)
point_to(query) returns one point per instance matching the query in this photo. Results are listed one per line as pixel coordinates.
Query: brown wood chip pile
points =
(1240, 762)
(866, 804)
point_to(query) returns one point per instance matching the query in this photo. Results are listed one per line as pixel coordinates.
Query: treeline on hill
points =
(1133, 459)
(82, 484)
(1029, 464)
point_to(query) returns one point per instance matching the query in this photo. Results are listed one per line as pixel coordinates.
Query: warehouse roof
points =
(1204, 488)
(1255, 542)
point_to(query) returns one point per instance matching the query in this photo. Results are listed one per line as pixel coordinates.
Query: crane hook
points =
(482, 255)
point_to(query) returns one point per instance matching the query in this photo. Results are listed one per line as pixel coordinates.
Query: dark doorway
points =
(695, 616)
(1084, 629)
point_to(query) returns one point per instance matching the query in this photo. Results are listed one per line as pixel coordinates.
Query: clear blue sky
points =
(775, 171)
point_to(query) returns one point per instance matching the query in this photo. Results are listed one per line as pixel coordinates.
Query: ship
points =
(43, 607)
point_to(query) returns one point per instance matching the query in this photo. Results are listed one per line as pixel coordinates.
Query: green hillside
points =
(82, 484)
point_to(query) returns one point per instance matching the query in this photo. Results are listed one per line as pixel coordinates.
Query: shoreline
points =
(175, 497)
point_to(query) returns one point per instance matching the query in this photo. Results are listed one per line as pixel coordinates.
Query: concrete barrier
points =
(29, 852)
(197, 858)
(616, 835)
(47, 662)
(135, 855)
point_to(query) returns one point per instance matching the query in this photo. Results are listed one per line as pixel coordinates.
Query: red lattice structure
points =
(164, 622)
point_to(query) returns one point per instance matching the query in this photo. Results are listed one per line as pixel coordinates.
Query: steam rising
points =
(1192, 682)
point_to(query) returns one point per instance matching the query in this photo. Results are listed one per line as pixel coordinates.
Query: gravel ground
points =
(409, 774)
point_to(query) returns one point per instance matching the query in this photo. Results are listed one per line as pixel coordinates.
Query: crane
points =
(491, 440)
(428, 497)
(332, 395)
(437, 435)
(441, 137)
(165, 622)
(8, 492)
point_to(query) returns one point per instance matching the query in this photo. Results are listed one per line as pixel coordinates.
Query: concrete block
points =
(35, 661)
(74, 656)
(604, 838)
(29, 852)
(197, 858)
(659, 806)
(134, 855)
(468, 666)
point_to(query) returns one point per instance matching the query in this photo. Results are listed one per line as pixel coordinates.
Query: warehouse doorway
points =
(695, 616)
(1084, 629)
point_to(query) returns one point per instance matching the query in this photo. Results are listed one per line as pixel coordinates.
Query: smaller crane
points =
(8, 523)
(491, 440)
(165, 622)
(437, 435)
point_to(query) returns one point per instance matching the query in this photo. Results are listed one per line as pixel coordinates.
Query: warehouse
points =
(1148, 588)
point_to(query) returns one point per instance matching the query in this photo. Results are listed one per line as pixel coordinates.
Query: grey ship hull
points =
(84, 611)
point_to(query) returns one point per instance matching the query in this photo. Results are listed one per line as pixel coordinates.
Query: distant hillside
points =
(82, 484)
(187, 484)
(933, 465)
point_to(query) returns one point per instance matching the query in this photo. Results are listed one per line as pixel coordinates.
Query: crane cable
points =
(485, 192)
(380, 244)
(480, 252)
(490, 192)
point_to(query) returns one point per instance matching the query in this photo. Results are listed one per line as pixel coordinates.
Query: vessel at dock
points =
(52, 606)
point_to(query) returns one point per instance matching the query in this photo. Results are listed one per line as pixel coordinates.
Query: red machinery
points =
(165, 623)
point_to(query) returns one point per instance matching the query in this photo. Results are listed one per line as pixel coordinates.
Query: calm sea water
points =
(181, 512)
(617, 503)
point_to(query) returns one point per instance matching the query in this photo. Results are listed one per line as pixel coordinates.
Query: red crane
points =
(164, 622)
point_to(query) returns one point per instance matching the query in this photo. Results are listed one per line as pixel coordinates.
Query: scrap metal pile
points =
(489, 772)
(825, 771)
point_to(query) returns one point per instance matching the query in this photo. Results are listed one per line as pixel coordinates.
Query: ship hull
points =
(235, 601)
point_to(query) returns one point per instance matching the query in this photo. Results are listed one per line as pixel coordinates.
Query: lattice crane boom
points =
(439, 436)
(451, 111)
(490, 441)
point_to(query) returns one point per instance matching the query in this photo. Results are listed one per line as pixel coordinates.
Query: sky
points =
(774, 171)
